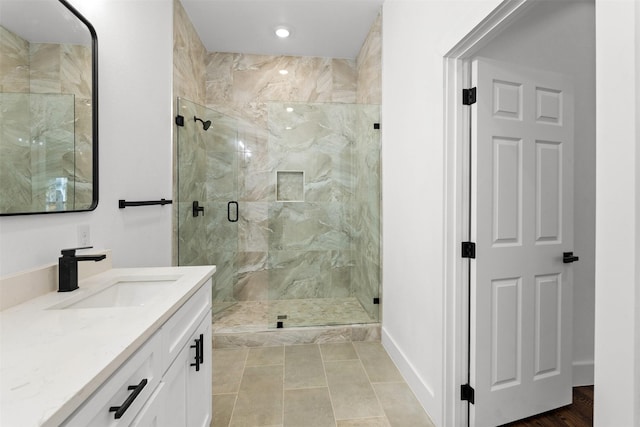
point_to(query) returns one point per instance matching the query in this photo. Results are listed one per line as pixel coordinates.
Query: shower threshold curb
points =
(297, 335)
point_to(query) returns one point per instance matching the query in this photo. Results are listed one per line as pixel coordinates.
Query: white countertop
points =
(51, 360)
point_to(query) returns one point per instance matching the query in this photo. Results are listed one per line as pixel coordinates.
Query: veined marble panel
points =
(45, 68)
(221, 175)
(189, 57)
(241, 85)
(253, 227)
(252, 282)
(226, 275)
(369, 66)
(344, 81)
(295, 274)
(308, 226)
(221, 234)
(15, 152)
(14, 66)
(75, 70)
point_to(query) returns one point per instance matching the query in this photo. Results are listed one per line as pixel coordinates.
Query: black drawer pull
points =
(201, 348)
(120, 410)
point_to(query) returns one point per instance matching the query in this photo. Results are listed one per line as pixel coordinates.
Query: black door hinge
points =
(468, 250)
(180, 120)
(469, 96)
(467, 393)
(376, 300)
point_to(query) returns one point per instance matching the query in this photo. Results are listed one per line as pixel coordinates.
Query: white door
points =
(522, 210)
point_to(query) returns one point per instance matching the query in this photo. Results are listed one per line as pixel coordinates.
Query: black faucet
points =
(68, 268)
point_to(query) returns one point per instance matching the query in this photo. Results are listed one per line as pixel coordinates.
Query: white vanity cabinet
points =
(187, 383)
(166, 382)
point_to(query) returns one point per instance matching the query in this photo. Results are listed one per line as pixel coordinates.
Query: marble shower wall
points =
(369, 66)
(283, 249)
(189, 58)
(53, 71)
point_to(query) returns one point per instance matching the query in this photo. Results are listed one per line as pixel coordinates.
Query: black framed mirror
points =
(48, 108)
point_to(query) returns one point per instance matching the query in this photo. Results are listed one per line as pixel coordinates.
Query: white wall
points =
(617, 340)
(416, 36)
(135, 101)
(567, 46)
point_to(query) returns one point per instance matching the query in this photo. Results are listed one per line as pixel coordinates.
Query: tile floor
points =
(352, 384)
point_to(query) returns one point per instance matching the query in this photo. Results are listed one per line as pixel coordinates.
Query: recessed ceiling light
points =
(282, 32)
(289, 109)
(284, 72)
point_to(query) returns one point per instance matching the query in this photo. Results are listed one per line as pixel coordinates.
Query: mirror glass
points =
(48, 108)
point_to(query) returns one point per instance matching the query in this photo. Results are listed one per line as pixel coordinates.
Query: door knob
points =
(568, 257)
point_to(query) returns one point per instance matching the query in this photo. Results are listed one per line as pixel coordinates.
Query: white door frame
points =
(456, 206)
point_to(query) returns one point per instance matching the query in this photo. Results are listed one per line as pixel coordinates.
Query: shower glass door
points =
(291, 213)
(207, 175)
(324, 214)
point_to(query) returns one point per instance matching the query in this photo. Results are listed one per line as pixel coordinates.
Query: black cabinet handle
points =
(201, 348)
(568, 257)
(120, 410)
(198, 358)
(229, 211)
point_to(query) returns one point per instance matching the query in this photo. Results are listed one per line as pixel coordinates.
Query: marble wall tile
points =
(344, 81)
(45, 66)
(369, 66)
(296, 274)
(241, 85)
(189, 57)
(15, 152)
(14, 66)
(253, 226)
(75, 66)
(308, 226)
(252, 280)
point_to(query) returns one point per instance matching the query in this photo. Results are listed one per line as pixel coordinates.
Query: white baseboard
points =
(582, 373)
(420, 388)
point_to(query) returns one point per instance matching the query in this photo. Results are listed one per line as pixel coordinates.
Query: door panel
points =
(522, 209)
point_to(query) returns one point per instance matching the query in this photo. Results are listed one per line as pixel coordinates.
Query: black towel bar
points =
(123, 203)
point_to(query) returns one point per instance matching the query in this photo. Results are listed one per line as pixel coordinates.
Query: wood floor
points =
(578, 414)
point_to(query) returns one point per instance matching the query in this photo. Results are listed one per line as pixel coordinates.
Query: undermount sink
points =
(121, 293)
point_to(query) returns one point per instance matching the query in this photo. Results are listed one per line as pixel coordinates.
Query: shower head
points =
(205, 125)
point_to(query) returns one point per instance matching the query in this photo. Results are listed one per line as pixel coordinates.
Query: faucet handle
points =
(72, 251)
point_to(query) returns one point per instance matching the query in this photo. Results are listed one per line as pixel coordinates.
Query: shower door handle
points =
(229, 212)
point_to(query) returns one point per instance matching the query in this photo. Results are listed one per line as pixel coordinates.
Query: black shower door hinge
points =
(467, 393)
(468, 250)
(469, 96)
(180, 120)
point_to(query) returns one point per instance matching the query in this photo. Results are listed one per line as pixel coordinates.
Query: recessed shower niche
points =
(290, 186)
(306, 187)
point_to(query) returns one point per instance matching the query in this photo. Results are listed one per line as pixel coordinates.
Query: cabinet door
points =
(175, 390)
(152, 412)
(199, 393)
(187, 383)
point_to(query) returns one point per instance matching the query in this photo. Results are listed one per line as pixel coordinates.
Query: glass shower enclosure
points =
(289, 214)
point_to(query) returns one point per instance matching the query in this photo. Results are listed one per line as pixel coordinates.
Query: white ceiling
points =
(43, 21)
(324, 28)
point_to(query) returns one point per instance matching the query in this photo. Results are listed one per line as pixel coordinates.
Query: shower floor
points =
(253, 316)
